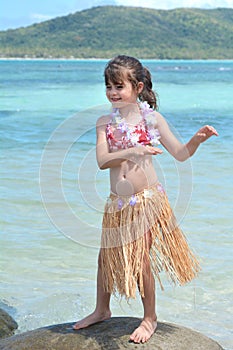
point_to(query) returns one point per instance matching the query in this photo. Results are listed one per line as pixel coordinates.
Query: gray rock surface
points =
(7, 324)
(108, 335)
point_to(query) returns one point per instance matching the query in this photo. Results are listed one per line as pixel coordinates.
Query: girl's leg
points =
(149, 323)
(102, 311)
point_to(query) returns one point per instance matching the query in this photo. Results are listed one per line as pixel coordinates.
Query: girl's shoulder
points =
(153, 119)
(161, 119)
(103, 121)
(158, 117)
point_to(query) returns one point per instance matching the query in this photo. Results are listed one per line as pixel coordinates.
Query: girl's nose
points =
(113, 91)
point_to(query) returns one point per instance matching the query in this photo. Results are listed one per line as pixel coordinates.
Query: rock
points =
(7, 324)
(108, 335)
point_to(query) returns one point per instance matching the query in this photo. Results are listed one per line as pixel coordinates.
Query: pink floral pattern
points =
(121, 136)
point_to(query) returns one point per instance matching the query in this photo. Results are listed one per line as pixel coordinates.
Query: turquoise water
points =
(49, 249)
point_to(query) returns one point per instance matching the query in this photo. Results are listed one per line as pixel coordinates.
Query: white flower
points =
(154, 136)
(148, 193)
(134, 138)
(144, 106)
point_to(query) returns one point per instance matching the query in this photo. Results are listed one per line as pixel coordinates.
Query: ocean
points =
(52, 192)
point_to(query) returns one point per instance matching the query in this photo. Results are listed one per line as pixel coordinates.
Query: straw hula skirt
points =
(128, 221)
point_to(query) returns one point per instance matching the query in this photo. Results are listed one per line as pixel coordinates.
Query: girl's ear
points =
(140, 87)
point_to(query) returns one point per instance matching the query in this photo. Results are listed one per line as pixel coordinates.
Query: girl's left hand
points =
(205, 132)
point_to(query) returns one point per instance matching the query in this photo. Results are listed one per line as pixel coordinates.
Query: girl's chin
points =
(116, 104)
(119, 104)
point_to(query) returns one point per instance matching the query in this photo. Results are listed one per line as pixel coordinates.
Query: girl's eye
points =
(117, 86)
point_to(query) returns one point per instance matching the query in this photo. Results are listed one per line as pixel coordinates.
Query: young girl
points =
(140, 236)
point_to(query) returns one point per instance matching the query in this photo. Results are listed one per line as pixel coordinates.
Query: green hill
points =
(109, 30)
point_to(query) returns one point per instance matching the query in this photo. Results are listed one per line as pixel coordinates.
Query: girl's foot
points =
(143, 333)
(93, 318)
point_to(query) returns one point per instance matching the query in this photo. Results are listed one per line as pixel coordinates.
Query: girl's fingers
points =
(145, 150)
(210, 130)
(154, 150)
(157, 151)
(205, 132)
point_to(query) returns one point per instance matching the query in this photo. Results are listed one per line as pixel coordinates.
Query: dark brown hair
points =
(125, 67)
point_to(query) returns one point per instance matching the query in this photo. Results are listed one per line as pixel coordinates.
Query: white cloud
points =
(168, 4)
(38, 17)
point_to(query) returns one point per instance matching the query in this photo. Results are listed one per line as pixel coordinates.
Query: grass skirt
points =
(128, 221)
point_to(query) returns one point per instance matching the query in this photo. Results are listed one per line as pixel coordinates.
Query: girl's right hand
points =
(146, 150)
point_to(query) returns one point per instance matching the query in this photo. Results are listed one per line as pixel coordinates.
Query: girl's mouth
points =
(115, 99)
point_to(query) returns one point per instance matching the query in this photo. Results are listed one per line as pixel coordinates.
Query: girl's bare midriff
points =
(133, 176)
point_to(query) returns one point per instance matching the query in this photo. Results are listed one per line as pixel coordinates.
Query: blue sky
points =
(18, 13)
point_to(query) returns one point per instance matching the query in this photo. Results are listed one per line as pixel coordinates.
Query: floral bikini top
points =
(121, 136)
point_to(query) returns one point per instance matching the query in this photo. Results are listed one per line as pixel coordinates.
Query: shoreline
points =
(106, 59)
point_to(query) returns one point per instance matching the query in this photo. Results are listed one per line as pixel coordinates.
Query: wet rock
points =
(108, 335)
(7, 324)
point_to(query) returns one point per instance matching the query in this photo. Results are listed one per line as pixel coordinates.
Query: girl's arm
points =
(107, 159)
(178, 150)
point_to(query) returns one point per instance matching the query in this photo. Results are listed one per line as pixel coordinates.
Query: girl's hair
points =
(125, 67)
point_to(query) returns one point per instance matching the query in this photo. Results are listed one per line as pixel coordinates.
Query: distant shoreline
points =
(106, 59)
(51, 59)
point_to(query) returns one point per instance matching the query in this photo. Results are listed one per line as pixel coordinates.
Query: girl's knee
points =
(100, 263)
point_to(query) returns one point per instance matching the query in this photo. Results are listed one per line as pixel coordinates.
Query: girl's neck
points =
(127, 111)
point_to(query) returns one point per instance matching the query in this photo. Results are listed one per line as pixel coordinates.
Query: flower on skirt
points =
(148, 193)
(120, 203)
(160, 188)
(133, 200)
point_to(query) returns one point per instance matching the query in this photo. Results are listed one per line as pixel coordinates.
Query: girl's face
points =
(122, 93)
